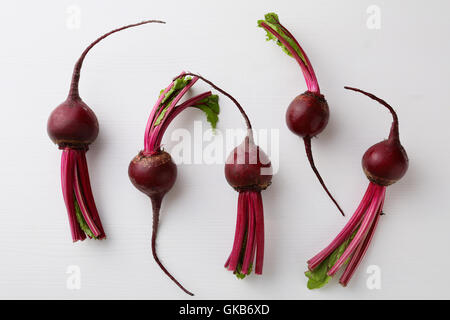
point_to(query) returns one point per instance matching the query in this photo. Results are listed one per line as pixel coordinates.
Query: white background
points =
(405, 62)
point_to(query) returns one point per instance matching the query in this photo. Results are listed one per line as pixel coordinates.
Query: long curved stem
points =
(247, 120)
(307, 141)
(156, 205)
(73, 92)
(394, 134)
(308, 63)
(311, 80)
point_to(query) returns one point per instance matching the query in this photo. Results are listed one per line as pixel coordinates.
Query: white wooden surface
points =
(405, 62)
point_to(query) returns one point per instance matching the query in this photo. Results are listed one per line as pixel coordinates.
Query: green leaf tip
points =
(238, 273)
(210, 106)
(271, 19)
(318, 277)
(83, 225)
(315, 282)
(178, 85)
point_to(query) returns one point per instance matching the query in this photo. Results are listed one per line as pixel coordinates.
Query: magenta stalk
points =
(311, 81)
(82, 211)
(384, 164)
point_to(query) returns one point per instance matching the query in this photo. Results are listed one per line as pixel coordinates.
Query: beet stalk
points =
(73, 126)
(152, 171)
(384, 164)
(308, 114)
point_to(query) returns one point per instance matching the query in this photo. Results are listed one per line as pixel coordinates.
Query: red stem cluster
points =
(364, 220)
(154, 133)
(249, 234)
(77, 191)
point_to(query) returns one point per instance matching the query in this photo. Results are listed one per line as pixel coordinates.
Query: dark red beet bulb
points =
(73, 126)
(307, 115)
(384, 164)
(154, 174)
(248, 167)
(72, 123)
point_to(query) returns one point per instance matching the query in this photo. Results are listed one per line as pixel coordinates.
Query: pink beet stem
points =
(360, 234)
(236, 231)
(308, 63)
(250, 243)
(149, 128)
(87, 191)
(173, 103)
(255, 242)
(345, 232)
(176, 111)
(82, 204)
(259, 233)
(227, 263)
(312, 84)
(156, 107)
(241, 227)
(66, 195)
(360, 251)
(72, 155)
(394, 134)
(67, 169)
(73, 92)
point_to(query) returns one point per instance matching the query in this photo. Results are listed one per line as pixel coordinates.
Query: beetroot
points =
(152, 171)
(73, 126)
(249, 171)
(153, 174)
(384, 164)
(307, 115)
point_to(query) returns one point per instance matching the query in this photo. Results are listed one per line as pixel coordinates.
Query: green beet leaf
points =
(83, 225)
(178, 85)
(210, 106)
(271, 19)
(318, 277)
